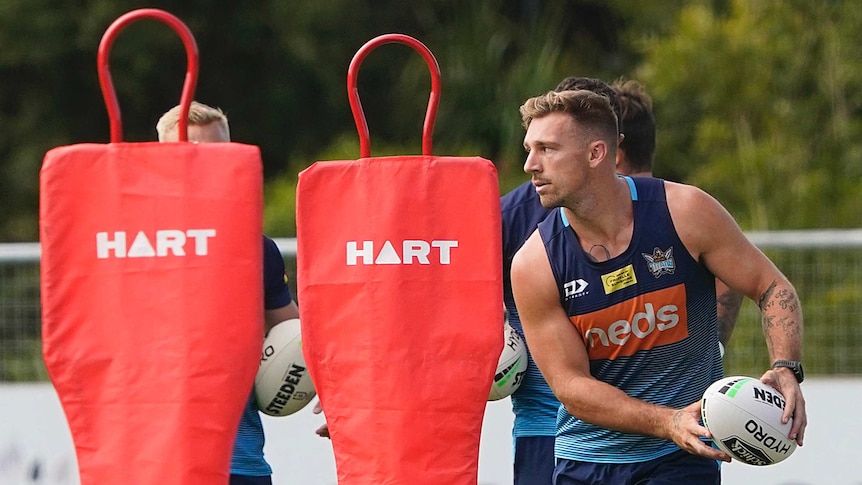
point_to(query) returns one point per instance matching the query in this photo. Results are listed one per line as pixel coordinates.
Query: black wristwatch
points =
(793, 365)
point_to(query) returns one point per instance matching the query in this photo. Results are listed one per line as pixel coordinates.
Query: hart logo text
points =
(167, 242)
(412, 251)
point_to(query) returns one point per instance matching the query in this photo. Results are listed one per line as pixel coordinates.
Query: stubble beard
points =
(549, 201)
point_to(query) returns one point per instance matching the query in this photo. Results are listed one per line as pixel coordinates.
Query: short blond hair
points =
(199, 115)
(592, 110)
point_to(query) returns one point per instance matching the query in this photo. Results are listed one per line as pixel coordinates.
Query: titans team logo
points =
(660, 262)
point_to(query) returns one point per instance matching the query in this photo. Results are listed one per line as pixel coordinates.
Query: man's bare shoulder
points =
(680, 190)
(688, 199)
(700, 220)
(531, 248)
(530, 264)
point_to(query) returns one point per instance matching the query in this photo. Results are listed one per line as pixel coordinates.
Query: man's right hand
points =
(685, 431)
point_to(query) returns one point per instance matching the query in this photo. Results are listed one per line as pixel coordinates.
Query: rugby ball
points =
(511, 366)
(744, 417)
(282, 385)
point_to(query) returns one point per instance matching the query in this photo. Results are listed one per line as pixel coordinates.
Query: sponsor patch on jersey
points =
(641, 323)
(619, 279)
(575, 288)
(660, 262)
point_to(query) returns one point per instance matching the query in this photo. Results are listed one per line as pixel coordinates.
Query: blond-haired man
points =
(248, 465)
(616, 294)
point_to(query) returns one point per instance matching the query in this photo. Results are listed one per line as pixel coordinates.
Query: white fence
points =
(824, 265)
(812, 239)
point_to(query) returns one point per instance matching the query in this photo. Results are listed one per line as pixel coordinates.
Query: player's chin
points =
(548, 200)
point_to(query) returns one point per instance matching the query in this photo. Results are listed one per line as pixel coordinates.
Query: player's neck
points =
(605, 220)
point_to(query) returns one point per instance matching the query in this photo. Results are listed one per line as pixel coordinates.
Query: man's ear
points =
(598, 153)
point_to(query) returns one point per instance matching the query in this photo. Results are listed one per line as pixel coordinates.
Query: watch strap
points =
(793, 365)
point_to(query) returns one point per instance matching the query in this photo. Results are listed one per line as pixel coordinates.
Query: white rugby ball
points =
(744, 417)
(511, 366)
(283, 385)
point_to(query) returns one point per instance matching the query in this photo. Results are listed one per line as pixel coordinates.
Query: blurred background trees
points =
(759, 103)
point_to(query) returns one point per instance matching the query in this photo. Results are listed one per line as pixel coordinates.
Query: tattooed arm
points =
(710, 234)
(782, 327)
(782, 321)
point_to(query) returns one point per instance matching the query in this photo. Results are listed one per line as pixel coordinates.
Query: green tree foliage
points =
(760, 105)
(279, 70)
(758, 102)
(493, 55)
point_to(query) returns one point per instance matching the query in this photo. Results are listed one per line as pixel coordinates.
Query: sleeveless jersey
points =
(533, 403)
(647, 317)
(247, 458)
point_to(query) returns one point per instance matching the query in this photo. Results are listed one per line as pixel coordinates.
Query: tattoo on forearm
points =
(767, 324)
(764, 302)
(790, 326)
(788, 302)
(677, 419)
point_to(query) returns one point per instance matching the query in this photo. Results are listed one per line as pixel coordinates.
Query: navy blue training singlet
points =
(647, 317)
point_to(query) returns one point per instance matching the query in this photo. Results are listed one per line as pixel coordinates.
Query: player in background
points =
(615, 291)
(248, 465)
(635, 158)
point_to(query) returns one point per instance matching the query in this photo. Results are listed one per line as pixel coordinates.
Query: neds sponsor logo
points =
(641, 323)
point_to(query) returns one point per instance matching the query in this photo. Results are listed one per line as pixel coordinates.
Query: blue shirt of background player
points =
(247, 456)
(533, 403)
